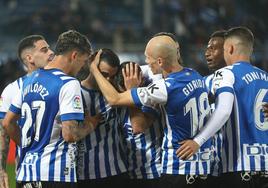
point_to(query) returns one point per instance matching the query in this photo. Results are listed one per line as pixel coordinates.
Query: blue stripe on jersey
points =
(106, 149)
(38, 168)
(72, 116)
(87, 139)
(101, 156)
(63, 162)
(134, 157)
(96, 157)
(106, 154)
(143, 157)
(73, 174)
(234, 137)
(153, 154)
(135, 97)
(252, 162)
(262, 161)
(224, 89)
(25, 175)
(30, 172)
(92, 106)
(14, 109)
(2, 115)
(52, 162)
(115, 150)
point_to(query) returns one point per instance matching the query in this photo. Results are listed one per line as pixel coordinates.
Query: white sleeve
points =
(223, 81)
(217, 119)
(7, 97)
(152, 95)
(70, 101)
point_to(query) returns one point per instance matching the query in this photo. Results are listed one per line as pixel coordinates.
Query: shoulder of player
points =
(224, 72)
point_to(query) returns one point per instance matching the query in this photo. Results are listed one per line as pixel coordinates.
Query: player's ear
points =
(29, 59)
(74, 55)
(231, 49)
(159, 61)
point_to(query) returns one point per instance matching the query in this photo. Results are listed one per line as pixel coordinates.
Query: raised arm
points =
(113, 97)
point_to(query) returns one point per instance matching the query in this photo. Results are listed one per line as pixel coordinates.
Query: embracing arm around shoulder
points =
(73, 130)
(140, 121)
(223, 89)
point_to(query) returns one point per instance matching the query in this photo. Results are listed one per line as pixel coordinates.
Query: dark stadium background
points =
(126, 25)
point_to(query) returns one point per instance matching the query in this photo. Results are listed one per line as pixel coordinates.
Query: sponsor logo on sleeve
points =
(77, 103)
(152, 88)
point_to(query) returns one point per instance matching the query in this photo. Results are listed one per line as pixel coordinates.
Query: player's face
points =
(108, 71)
(152, 62)
(214, 54)
(41, 54)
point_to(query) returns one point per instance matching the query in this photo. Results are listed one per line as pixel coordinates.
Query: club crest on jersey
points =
(77, 104)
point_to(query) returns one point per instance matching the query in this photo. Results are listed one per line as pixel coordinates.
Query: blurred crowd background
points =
(126, 25)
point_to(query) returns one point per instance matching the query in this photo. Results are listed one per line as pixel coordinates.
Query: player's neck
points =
(239, 58)
(59, 62)
(89, 82)
(175, 67)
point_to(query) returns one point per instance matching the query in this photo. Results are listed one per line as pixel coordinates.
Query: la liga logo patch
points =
(77, 104)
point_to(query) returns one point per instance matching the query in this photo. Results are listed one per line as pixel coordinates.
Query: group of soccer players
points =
(160, 125)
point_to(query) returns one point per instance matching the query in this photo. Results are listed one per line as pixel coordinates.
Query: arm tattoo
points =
(79, 130)
(4, 147)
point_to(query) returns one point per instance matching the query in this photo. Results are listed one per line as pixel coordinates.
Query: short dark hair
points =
(219, 33)
(244, 34)
(72, 40)
(171, 35)
(28, 42)
(120, 78)
(109, 57)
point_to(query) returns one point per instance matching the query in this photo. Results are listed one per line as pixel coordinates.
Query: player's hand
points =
(187, 149)
(95, 119)
(3, 179)
(132, 76)
(95, 63)
(265, 109)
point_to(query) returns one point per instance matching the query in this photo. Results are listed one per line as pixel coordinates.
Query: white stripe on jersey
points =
(58, 73)
(65, 77)
(45, 171)
(143, 150)
(51, 158)
(99, 153)
(237, 144)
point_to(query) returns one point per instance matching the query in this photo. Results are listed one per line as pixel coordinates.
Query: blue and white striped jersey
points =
(216, 141)
(184, 101)
(45, 156)
(143, 150)
(99, 154)
(246, 134)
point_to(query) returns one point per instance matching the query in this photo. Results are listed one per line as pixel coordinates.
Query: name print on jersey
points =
(191, 86)
(36, 88)
(249, 77)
